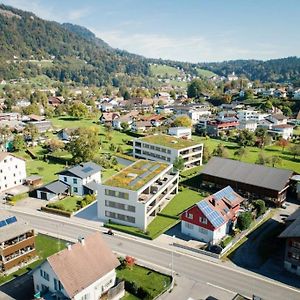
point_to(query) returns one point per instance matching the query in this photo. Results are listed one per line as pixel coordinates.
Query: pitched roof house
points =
(85, 270)
(213, 217)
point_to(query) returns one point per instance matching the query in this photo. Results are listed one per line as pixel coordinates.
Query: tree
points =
(206, 154)
(241, 153)
(262, 159)
(182, 121)
(220, 151)
(261, 134)
(260, 207)
(286, 110)
(112, 147)
(295, 150)
(78, 110)
(244, 220)
(30, 132)
(283, 143)
(245, 138)
(275, 160)
(83, 145)
(18, 143)
(178, 163)
(5, 132)
(55, 144)
(32, 109)
(197, 87)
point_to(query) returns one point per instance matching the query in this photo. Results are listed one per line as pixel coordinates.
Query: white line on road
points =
(220, 288)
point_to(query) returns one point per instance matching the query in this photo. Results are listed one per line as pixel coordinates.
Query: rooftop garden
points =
(136, 175)
(169, 141)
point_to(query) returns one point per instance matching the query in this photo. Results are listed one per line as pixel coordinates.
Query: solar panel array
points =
(145, 174)
(213, 216)
(8, 221)
(87, 169)
(227, 193)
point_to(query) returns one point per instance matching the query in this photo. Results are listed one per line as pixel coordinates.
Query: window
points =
(75, 180)
(116, 194)
(44, 275)
(16, 166)
(296, 244)
(203, 220)
(65, 179)
(203, 230)
(85, 297)
(189, 225)
(75, 189)
(189, 216)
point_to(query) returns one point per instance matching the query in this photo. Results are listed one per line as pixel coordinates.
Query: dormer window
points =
(189, 215)
(203, 220)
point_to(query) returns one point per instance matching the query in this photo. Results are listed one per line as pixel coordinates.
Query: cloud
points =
(77, 14)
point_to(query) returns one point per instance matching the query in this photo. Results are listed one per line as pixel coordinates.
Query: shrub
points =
(260, 207)
(244, 220)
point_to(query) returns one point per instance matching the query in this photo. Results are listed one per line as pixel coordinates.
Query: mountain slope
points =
(29, 38)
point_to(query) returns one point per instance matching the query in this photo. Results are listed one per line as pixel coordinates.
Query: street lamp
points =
(172, 257)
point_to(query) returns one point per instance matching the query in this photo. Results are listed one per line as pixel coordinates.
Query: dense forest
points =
(73, 53)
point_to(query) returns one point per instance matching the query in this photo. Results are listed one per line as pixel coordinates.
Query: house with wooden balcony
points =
(17, 242)
(135, 195)
(166, 148)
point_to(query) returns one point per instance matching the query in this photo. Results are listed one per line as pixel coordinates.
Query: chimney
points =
(81, 240)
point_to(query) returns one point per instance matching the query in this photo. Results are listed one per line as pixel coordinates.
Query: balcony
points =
(22, 258)
(156, 188)
(9, 249)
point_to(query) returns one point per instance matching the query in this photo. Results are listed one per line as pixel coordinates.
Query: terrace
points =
(169, 141)
(136, 175)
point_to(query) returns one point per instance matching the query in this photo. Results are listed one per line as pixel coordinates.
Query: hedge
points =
(116, 227)
(57, 211)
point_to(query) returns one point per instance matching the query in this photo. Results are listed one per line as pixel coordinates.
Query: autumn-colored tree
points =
(182, 121)
(283, 143)
(130, 261)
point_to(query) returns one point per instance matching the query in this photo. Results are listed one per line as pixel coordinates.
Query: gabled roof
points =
(3, 155)
(83, 264)
(256, 175)
(292, 231)
(55, 187)
(82, 170)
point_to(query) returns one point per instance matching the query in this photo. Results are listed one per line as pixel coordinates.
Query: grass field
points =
(45, 246)
(151, 281)
(162, 70)
(205, 73)
(288, 161)
(70, 203)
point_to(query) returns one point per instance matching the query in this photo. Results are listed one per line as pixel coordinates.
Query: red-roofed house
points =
(85, 270)
(213, 217)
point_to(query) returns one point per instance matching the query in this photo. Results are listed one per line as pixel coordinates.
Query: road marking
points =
(139, 240)
(221, 288)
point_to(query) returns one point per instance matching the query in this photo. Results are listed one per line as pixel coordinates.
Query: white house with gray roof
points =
(79, 180)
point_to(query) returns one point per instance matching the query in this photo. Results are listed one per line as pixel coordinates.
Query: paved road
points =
(197, 269)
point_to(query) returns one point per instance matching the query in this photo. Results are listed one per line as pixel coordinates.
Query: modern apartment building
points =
(17, 242)
(167, 149)
(136, 194)
(12, 171)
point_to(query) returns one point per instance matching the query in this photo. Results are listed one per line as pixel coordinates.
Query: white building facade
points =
(180, 132)
(12, 171)
(137, 208)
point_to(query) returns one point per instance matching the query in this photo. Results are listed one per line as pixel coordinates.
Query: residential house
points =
(42, 126)
(251, 180)
(280, 93)
(250, 114)
(65, 134)
(12, 171)
(277, 119)
(296, 94)
(218, 125)
(250, 125)
(167, 148)
(141, 126)
(128, 118)
(194, 113)
(106, 106)
(80, 180)
(284, 130)
(22, 103)
(155, 120)
(85, 270)
(135, 195)
(55, 101)
(108, 117)
(12, 116)
(213, 217)
(292, 244)
(17, 241)
(232, 77)
(180, 132)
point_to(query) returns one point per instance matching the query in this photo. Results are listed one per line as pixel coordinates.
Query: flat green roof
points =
(169, 141)
(136, 175)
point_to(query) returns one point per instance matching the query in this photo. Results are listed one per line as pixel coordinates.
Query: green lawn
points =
(45, 246)
(69, 203)
(205, 73)
(162, 70)
(181, 201)
(288, 161)
(152, 281)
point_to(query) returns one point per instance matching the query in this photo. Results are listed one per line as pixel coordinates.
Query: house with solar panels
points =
(79, 180)
(17, 241)
(213, 217)
(137, 193)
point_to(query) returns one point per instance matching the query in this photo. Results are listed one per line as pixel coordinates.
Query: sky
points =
(184, 30)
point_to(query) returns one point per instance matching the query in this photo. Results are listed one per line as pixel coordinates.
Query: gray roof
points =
(292, 231)
(83, 170)
(12, 230)
(55, 187)
(295, 215)
(94, 186)
(256, 175)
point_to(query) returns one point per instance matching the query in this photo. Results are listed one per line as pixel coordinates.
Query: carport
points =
(53, 191)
